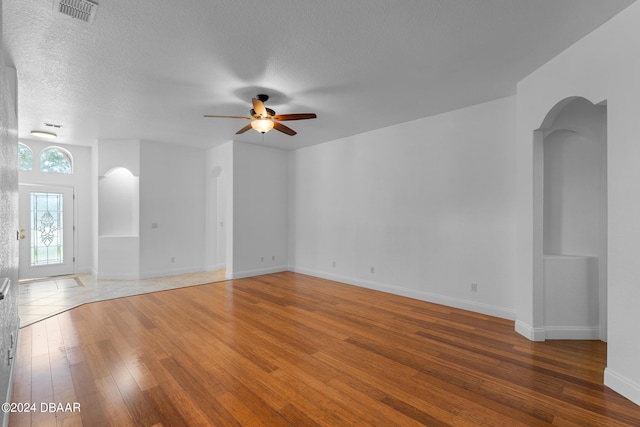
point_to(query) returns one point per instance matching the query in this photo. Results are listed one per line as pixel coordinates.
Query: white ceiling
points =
(149, 69)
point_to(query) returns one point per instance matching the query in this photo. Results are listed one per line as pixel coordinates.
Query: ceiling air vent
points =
(84, 10)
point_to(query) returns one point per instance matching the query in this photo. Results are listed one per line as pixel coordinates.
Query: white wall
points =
(260, 210)
(429, 204)
(605, 65)
(172, 209)
(80, 180)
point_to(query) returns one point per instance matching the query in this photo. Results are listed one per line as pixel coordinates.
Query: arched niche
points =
(118, 201)
(570, 257)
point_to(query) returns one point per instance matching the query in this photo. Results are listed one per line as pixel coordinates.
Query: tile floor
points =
(44, 298)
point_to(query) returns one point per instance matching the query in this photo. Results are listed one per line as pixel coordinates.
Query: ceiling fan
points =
(264, 119)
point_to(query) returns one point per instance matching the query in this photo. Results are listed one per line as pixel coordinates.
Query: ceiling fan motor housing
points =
(270, 112)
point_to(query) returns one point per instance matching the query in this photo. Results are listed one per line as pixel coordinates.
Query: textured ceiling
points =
(149, 69)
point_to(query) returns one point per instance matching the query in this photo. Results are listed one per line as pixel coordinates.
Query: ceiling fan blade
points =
(284, 129)
(259, 108)
(244, 129)
(229, 117)
(300, 116)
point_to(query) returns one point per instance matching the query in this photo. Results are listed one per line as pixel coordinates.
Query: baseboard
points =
(476, 307)
(256, 272)
(171, 272)
(529, 332)
(214, 267)
(9, 393)
(571, 333)
(622, 385)
(116, 276)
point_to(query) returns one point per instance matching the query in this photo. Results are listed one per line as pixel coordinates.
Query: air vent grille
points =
(84, 10)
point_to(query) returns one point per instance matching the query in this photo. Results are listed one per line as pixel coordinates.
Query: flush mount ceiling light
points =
(43, 134)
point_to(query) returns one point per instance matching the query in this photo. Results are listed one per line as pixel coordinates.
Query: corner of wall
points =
(529, 332)
(622, 385)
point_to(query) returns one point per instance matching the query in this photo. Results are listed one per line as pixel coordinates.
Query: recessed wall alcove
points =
(570, 265)
(118, 224)
(118, 193)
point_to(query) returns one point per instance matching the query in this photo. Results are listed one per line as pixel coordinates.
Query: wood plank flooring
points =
(293, 350)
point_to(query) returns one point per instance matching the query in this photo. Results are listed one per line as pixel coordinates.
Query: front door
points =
(46, 231)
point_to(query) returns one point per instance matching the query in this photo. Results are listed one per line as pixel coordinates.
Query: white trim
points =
(477, 307)
(171, 272)
(572, 333)
(116, 276)
(529, 332)
(214, 267)
(257, 272)
(622, 385)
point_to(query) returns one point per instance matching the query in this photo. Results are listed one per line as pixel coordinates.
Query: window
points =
(25, 158)
(56, 160)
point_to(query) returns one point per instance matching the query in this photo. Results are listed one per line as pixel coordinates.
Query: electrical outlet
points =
(261, 259)
(173, 259)
(372, 270)
(334, 263)
(273, 257)
(474, 287)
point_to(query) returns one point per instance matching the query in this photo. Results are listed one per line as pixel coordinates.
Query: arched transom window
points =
(25, 158)
(55, 159)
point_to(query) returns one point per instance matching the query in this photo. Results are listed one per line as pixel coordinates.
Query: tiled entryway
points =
(43, 298)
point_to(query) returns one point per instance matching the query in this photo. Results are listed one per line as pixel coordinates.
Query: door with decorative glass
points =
(46, 231)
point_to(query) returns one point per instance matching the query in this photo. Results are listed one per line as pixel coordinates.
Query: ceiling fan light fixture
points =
(43, 134)
(262, 125)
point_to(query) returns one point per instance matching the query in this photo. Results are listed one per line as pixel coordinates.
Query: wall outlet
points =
(334, 264)
(173, 259)
(273, 257)
(372, 270)
(474, 287)
(261, 259)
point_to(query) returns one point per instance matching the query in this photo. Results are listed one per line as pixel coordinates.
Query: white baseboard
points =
(117, 276)
(256, 272)
(214, 267)
(477, 307)
(529, 332)
(622, 385)
(170, 272)
(557, 332)
(572, 333)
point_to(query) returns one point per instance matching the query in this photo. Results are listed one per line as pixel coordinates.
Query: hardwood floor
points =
(289, 349)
